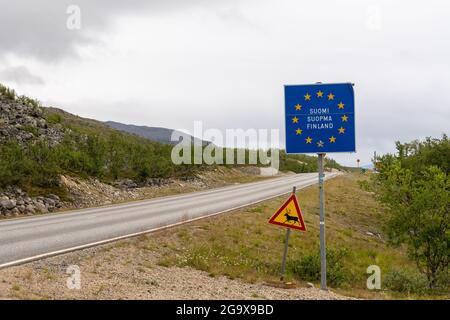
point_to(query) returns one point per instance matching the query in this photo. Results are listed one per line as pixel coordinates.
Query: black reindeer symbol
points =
(290, 218)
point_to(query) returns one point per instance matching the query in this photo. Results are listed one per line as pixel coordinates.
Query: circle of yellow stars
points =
(329, 96)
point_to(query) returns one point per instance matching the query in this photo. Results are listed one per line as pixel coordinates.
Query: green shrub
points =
(29, 128)
(29, 102)
(198, 258)
(300, 163)
(7, 92)
(405, 282)
(54, 118)
(307, 267)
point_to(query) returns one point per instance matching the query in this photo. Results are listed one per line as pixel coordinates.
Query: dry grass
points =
(243, 245)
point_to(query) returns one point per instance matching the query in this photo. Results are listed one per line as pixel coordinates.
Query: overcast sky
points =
(168, 63)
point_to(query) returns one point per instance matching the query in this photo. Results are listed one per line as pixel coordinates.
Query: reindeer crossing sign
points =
(289, 215)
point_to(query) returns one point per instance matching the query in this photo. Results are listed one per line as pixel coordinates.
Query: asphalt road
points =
(31, 238)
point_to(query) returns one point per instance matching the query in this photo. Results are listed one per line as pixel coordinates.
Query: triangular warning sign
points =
(289, 215)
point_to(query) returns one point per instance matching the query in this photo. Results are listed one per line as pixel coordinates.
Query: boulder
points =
(126, 184)
(53, 197)
(41, 207)
(8, 204)
(15, 212)
(49, 202)
(30, 209)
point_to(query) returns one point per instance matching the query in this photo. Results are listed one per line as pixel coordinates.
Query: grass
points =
(243, 245)
(15, 287)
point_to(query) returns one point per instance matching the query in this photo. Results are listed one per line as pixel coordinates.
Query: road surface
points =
(31, 238)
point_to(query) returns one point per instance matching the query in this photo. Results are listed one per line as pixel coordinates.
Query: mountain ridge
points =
(157, 134)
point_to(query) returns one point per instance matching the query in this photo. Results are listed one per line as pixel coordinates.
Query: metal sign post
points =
(323, 250)
(283, 263)
(286, 244)
(320, 118)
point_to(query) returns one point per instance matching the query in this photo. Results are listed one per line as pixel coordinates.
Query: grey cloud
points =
(20, 75)
(38, 28)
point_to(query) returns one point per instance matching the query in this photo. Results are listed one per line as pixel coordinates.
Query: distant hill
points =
(161, 135)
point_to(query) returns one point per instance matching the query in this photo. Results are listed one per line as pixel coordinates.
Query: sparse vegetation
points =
(8, 93)
(243, 245)
(307, 266)
(54, 118)
(15, 287)
(299, 163)
(405, 281)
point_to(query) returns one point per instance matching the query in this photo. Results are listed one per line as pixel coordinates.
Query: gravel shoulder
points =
(124, 270)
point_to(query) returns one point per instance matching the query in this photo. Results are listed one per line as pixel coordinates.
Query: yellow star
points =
(330, 96)
(308, 140)
(294, 120)
(332, 139)
(320, 144)
(341, 130)
(344, 118)
(319, 94)
(307, 96)
(341, 105)
(298, 107)
(298, 131)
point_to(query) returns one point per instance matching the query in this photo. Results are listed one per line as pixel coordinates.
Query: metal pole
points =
(323, 252)
(283, 263)
(286, 243)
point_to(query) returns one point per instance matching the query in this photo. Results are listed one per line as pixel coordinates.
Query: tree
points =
(417, 198)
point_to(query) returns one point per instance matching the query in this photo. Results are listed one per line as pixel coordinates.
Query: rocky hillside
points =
(22, 119)
(40, 146)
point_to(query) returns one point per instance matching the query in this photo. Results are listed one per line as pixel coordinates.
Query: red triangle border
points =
(302, 222)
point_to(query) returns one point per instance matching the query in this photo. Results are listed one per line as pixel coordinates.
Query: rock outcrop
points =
(22, 120)
(25, 122)
(15, 202)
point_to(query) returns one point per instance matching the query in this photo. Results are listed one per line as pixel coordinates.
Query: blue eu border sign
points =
(320, 118)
